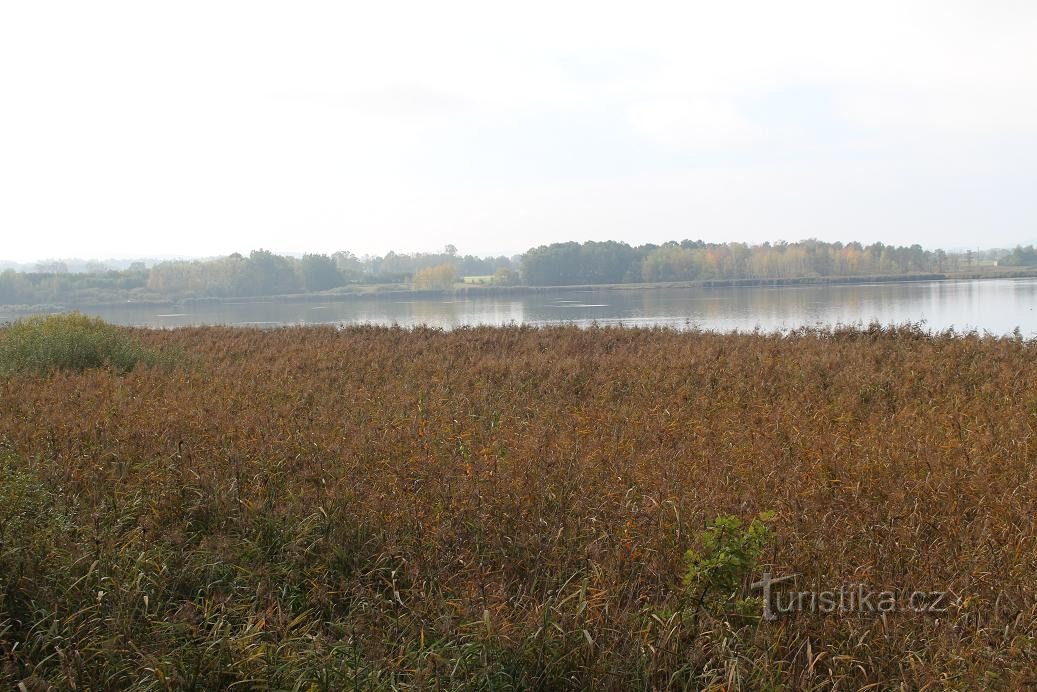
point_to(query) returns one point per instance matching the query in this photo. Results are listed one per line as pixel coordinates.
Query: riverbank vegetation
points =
(561, 264)
(265, 274)
(556, 508)
(71, 342)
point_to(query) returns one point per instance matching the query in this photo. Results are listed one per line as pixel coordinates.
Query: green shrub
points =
(42, 344)
(719, 570)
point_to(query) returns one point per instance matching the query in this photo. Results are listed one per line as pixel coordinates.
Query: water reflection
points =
(997, 306)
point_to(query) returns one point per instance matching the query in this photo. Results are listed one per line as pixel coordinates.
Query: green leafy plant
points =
(717, 572)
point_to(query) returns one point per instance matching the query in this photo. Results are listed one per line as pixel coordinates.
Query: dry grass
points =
(510, 508)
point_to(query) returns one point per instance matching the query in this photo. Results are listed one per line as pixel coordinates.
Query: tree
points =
(439, 277)
(319, 273)
(571, 263)
(350, 267)
(14, 288)
(267, 274)
(505, 277)
(1021, 257)
(52, 267)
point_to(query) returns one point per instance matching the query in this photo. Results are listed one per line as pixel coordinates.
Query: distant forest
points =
(263, 273)
(691, 260)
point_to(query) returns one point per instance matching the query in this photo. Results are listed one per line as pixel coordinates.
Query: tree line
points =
(693, 260)
(261, 273)
(264, 273)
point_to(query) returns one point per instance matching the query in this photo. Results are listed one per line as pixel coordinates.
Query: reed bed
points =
(512, 508)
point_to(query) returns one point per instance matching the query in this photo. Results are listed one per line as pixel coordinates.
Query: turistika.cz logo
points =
(854, 598)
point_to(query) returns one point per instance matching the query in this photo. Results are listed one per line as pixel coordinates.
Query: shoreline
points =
(380, 292)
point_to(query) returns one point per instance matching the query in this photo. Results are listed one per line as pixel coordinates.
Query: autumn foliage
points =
(311, 508)
(439, 277)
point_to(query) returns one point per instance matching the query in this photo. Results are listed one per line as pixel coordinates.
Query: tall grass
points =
(520, 508)
(72, 341)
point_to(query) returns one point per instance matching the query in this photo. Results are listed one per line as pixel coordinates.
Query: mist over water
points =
(995, 306)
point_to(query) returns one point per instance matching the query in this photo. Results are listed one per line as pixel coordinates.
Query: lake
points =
(994, 305)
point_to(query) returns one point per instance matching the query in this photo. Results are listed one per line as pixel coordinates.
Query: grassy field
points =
(514, 508)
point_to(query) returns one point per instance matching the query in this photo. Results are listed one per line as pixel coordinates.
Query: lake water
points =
(994, 305)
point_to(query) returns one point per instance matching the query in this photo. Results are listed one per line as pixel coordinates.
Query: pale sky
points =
(200, 128)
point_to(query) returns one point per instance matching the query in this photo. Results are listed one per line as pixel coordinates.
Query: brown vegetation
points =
(495, 508)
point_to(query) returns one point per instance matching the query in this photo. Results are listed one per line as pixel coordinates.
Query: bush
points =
(42, 344)
(722, 567)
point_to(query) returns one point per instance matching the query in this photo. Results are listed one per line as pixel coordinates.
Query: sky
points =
(139, 129)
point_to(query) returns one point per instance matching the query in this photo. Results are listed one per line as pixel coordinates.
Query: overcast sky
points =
(201, 128)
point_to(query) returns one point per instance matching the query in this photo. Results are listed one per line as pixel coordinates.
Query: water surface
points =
(993, 305)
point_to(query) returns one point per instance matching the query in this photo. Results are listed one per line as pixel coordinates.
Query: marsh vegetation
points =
(504, 508)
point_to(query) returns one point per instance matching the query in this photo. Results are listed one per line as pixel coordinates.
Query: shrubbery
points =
(42, 344)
